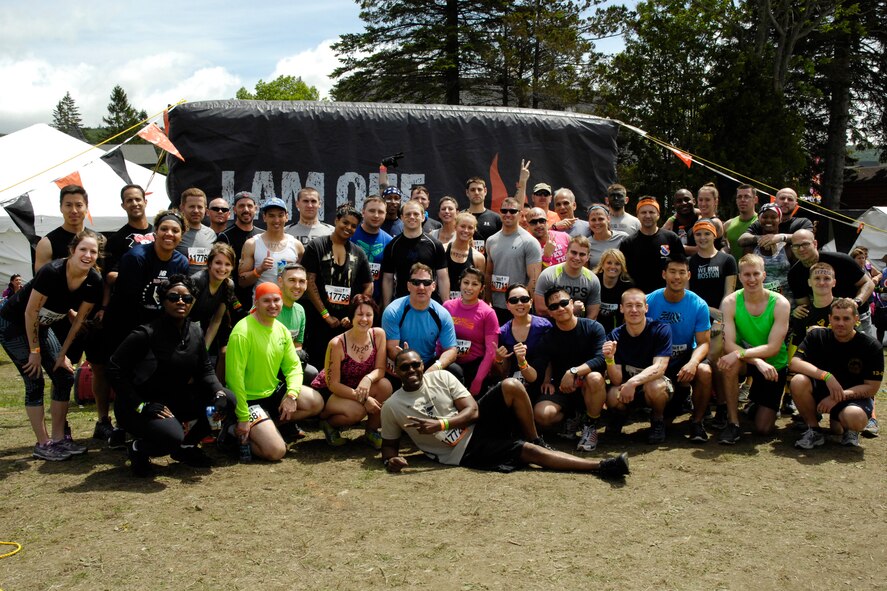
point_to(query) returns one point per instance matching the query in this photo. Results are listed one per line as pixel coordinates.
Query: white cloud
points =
(313, 65)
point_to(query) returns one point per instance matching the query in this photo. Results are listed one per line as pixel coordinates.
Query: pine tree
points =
(66, 117)
(121, 114)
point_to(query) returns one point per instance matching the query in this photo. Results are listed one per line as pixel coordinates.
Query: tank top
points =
(455, 269)
(737, 228)
(351, 371)
(777, 267)
(287, 254)
(753, 331)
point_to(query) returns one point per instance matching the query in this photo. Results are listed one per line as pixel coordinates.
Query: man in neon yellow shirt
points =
(259, 348)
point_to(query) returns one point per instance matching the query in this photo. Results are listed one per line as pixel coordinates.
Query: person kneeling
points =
(259, 349)
(444, 421)
(163, 381)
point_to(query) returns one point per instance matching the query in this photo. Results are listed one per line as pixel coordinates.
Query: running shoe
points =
(720, 421)
(730, 435)
(570, 427)
(117, 440)
(657, 432)
(850, 438)
(139, 462)
(810, 439)
(871, 429)
(71, 446)
(333, 436)
(588, 441)
(51, 452)
(697, 432)
(103, 429)
(614, 467)
(372, 438)
(193, 456)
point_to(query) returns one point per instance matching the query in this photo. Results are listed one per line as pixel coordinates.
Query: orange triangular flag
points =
(497, 187)
(685, 158)
(153, 134)
(71, 179)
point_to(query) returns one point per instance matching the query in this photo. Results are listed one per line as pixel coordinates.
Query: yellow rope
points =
(18, 548)
(127, 130)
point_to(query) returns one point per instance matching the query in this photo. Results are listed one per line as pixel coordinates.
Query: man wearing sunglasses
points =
(575, 278)
(576, 394)
(620, 220)
(542, 200)
(421, 324)
(553, 243)
(513, 256)
(495, 433)
(219, 213)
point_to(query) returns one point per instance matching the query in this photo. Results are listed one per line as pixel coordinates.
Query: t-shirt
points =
(52, 282)
(645, 257)
(404, 323)
(636, 353)
(815, 318)
(597, 247)
(847, 275)
(708, 277)
(435, 399)
(569, 348)
(625, 223)
(373, 245)
(852, 363)
(736, 229)
(337, 284)
(122, 240)
(393, 227)
(206, 304)
(402, 253)
(477, 337)
(306, 234)
(256, 354)
(59, 240)
(777, 266)
(684, 230)
(539, 327)
(510, 255)
(560, 241)
(195, 245)
(579, 228)
(293, 318)
(585, 288)
(611, 297)
(430, 224)
(488, 223)
(685, 318)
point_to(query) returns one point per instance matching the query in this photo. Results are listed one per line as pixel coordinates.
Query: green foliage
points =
(121, 115)
(66, 117)
(282, 88)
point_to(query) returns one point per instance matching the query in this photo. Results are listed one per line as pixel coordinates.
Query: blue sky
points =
(195, 50)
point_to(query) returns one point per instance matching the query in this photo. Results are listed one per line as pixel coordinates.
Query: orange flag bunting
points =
(684, 157)
(153, 134)
(71, 179)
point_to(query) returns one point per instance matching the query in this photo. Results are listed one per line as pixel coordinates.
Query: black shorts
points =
(764, 392)
(570, 403)
(820, 392)
(271, 403)
(493, 445)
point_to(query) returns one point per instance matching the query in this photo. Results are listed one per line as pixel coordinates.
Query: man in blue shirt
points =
(372, 239)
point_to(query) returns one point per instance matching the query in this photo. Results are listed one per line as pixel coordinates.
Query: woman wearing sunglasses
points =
(519, 339)
(164, 383)
(477, 329)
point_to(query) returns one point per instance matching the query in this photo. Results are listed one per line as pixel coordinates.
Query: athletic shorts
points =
(764, 392)
(493, 445)
(820, 392)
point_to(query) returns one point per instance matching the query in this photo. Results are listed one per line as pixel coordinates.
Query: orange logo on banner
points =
(153, 134)
(498, 192)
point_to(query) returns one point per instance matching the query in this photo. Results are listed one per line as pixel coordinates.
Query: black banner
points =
(275, 148)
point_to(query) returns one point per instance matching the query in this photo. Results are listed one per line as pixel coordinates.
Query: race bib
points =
(609, 308)
(455, 295)
(338, 295)
(450, 437)
(376, 270)
(257, 414)
(500, 283)
(198, 255)
(519, 376)
(462, 346)
(678, 350)
(47, 317)
(479, 245)
(632, 370)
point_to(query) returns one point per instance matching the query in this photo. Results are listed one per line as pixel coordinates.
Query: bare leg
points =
(802, 393)
(101, 390)
(267, 442)
(59, 412)
(38, 423)
(701, 391)
(517, 399)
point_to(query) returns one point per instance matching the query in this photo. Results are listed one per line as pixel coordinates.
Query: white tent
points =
(874, 240)
(46, 154)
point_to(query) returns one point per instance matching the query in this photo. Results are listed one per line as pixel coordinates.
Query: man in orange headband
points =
(646, 252)
(259, 349)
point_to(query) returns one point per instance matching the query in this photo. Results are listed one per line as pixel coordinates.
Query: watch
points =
(574, 371)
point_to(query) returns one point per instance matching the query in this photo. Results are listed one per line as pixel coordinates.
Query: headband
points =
(603, 208)
(172, 217)
(649, 201)
(266, 288)
(771, 207)
(705, 225)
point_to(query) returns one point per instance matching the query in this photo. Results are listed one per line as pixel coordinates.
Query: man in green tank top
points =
(746, 199)
(755, 325)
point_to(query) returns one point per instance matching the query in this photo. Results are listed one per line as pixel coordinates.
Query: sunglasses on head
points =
(519, 299)
(507, 210)
(425, 282)
(408, 365)
(175, 297)
(220, 209)
(537, 221)
(561, 304)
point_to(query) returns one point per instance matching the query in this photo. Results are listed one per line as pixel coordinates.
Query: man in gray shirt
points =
(574, 278)
(308, 226)
(197, 239)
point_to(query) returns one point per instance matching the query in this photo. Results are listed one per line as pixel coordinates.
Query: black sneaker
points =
(117, 440)
(192, 456)
(614, 467)
(541, 443)
(615, 424)
(657, 432)
(730, 435)
(697, 432)
(139, 462)
(103, 429)
(720, 419)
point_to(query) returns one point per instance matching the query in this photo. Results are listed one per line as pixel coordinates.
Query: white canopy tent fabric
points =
(874, 240)
(45, 152)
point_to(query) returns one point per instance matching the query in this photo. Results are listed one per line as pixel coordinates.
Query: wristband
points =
(324, 314)
(35, 350)
(447, 424)
(292, 396)
(256, 273)
(438, 364)
(610, 361)
(443, 425)
(523, 365)
(826, 375)
(741, 353)
(141, 407)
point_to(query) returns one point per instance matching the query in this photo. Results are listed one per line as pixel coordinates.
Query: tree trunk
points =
(839, 118)
(453, 94)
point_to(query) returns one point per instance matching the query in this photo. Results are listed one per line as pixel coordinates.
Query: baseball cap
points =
(243, 195)
(542, 187)
(273, 202)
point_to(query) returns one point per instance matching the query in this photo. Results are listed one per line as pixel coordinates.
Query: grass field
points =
(759, 515)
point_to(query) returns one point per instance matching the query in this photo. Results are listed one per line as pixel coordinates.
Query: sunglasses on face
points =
(542, 193)
(538, 221)
(409, 365)
(175, 297)
(425, 282)
(561, 304)
(506, 211)
(220, 209)
(519, 299)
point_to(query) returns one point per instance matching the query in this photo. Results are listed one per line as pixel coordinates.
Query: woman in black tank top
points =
(461, 253)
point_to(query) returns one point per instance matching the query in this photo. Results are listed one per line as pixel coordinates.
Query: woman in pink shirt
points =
(477, 329)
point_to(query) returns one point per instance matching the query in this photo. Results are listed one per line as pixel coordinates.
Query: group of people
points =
(476, 334)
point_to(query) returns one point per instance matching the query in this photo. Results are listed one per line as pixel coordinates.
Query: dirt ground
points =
(760, 515)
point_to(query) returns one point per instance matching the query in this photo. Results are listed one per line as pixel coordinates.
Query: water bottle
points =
(214, 423)
(246, 454)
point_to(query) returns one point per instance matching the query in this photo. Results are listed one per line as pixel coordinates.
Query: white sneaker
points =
(850, 438)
